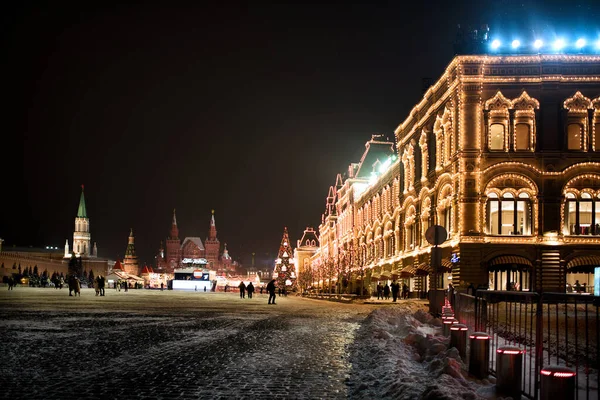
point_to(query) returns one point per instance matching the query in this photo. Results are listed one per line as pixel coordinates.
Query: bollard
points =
(509, 371)
(479, 354)
(458, 339)
(447, 323)
(557, 382)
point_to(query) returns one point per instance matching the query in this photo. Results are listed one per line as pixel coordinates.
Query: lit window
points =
(574, 137)
(509, 215)
(522, 137)
(497, 137)
(582, 215)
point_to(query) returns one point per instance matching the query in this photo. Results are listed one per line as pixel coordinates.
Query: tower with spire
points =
(130, 262)
(212, 244)
(284, 272)
(173, 247)
(81, 235)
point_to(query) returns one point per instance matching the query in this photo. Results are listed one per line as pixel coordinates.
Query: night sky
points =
(250, 110)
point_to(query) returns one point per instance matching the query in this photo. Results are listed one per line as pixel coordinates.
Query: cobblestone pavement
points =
(147, 344)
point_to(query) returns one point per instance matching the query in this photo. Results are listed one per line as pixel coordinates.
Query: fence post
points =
(539, 344)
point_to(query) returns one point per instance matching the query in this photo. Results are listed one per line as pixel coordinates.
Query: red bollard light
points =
(479, 355)
(509, 371)
(557, 382)
(458, 339)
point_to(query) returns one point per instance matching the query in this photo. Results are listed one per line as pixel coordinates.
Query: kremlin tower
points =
(81, 235)
(130, 262)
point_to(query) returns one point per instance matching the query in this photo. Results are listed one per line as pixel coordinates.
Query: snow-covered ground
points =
(400, 353)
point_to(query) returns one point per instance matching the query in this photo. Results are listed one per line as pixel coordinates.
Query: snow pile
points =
(400, 353)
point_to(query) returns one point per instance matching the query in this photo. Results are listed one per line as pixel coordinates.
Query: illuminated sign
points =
(194, 261)
(455, 258)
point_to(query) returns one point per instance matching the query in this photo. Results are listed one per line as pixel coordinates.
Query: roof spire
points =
(174, 229)
(212, 235)
(81, 211)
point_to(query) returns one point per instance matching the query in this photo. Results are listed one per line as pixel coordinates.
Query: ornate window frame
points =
(424, 155)
(524, 108)
(577, 107)
(498, 187)
(497, 109)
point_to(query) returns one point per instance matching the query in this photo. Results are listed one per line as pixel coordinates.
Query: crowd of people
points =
(249, 289)
(397, 290)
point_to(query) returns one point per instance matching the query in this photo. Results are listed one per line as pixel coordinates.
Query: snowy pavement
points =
(178, 345)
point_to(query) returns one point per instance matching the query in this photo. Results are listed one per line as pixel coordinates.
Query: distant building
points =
(305, 250)
(130, 262)
(181, 254)
(54, 260)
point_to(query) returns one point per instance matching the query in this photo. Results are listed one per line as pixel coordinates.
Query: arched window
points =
(497, 137)
(509, 215)
(578, 135)
(409, 227)
(524, 122)
(582, 214)
(574, 137)
(522, 137)
(444, 208)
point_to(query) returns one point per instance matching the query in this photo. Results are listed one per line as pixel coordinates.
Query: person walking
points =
(451, 295)
(395, 290)
(242, 287)
(379, 291)
(386, 291)
(271, 290)
(250, 289)
(102, 285)
(404, 291)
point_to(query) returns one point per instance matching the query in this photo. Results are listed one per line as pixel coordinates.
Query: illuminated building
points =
(503, 151)
(130, 262)
(54, 260)
(181, 254)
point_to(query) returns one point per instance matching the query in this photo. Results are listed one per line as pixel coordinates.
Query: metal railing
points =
(552, 328)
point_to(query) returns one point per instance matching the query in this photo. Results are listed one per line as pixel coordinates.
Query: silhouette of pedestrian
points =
(395, 290)
(386, 291)
(271, 290)
(242, 287)
(250, 289)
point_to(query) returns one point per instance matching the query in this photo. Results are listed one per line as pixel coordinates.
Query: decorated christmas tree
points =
(285, 273)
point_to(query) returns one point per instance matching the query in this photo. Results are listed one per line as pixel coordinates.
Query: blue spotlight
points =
(515, 44)
(495, 44)
(538, 44)
(580, 43)
(559, 44)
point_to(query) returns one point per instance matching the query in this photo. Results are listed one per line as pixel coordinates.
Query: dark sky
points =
(246, 109)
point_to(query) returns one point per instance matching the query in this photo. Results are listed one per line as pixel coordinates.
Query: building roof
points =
(81, 211)
(309, 239)
(118, 266)
(146, 270)
(378, 149)
(196, 240)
